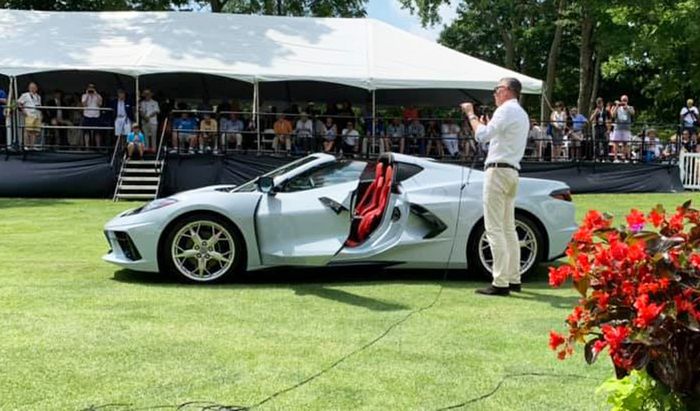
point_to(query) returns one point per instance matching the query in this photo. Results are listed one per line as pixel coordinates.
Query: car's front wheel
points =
(202, 248)
(530, 239)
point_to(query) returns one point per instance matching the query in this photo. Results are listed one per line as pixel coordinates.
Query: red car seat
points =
(369, 196)
(370, 215)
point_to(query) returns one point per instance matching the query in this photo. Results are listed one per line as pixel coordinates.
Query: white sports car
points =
(398, 211)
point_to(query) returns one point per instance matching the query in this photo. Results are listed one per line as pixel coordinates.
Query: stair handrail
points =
(116, 149)
(162, 138)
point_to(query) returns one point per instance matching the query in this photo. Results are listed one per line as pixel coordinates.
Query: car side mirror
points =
(266, 184)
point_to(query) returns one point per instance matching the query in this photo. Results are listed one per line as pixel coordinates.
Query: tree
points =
(318, 8)
(92, 5)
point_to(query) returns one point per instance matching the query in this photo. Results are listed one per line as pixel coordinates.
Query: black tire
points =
(476, 265)
(231, 241)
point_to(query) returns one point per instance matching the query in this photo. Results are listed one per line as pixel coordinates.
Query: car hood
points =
(219, 187)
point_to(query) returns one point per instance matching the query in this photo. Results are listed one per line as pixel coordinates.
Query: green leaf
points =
(582, 286)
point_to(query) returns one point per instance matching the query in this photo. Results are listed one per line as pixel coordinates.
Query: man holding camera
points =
(622, 114)
(91, 101)
(507, 134)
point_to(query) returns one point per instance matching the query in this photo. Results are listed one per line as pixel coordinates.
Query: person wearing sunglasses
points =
(506, 133)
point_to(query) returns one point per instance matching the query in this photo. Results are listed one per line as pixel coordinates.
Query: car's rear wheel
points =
(202, 248)
(530, 238)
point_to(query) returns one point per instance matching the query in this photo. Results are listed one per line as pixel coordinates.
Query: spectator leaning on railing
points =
(28, 102)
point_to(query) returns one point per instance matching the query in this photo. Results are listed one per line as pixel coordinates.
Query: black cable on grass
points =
(211, 406)
(500, 384)
(350, 354)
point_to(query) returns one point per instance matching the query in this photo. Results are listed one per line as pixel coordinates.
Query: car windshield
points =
(251, 186)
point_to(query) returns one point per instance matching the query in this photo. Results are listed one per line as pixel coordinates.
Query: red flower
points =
(615, 336)
(602, 256)
(555, 340)
(599, 345)
(557, 275)
(637, 252)
(646, 312)
(676, 221)
(576, 315)
(618, 250)
(635, 220)
(695, 261)
(583, 235)
(595, 220)
(656, 218)
(602, 299)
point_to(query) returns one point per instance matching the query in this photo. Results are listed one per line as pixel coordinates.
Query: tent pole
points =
(9, 120)
(19, 133)
(136, 100)
(374, 122)
(256, 113)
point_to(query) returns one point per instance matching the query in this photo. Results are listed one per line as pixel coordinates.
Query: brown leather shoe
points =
(492, 290)
(515, 287)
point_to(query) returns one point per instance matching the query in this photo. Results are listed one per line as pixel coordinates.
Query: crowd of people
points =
(91, 119)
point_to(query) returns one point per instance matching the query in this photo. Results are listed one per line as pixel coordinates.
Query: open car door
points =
(377, 211)
(307, 219)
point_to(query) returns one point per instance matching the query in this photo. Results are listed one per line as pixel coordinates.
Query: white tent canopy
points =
(362, 53)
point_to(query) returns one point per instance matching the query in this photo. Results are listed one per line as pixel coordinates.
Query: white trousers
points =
(122, 126)
(451, 145)
(500, 188)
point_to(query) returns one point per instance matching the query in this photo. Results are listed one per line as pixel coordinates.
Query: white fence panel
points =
(689, 165)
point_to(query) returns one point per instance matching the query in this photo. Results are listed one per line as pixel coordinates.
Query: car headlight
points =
(160, 203)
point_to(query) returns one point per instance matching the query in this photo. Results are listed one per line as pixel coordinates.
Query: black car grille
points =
(127, 246)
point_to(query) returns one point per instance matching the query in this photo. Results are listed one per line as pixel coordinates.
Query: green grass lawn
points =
(76, 332)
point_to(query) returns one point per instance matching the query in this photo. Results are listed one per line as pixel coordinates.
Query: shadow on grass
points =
(348, 298)
(318, 282)
(6, 203)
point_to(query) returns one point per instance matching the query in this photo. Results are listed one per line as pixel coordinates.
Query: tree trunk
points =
(585, 77)
(509, 45)
(217, 5)
(596, 82)
(553, 56)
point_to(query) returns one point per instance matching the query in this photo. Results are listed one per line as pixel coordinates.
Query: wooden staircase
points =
(138, 180)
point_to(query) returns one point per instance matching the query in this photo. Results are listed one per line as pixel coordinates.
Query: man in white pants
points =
(507, 134)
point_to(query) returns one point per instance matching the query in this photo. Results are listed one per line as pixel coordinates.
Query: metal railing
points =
(441, 137)
(689, 165)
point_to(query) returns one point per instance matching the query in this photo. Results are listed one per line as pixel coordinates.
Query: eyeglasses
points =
(495, 90)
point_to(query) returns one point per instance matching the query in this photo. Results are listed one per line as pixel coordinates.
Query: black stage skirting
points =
(78, 175)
